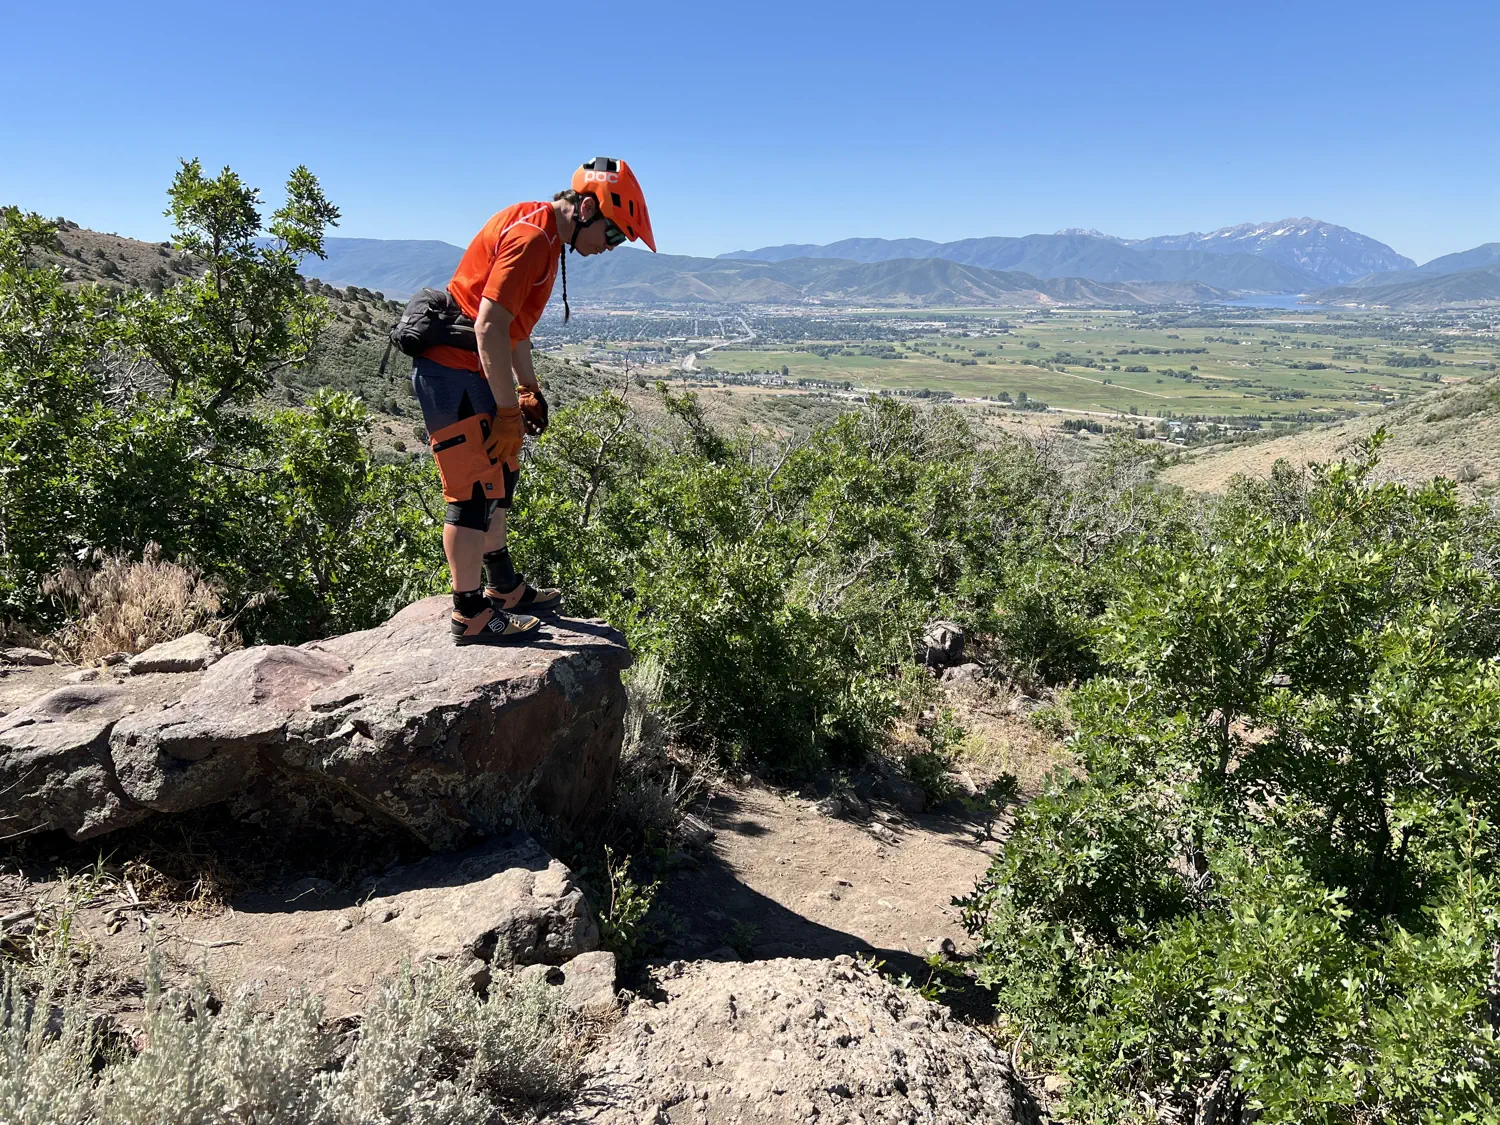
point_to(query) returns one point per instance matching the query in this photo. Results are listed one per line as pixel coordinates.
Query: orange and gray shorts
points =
(458, 411)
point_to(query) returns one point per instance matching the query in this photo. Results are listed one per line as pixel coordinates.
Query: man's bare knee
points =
(495, 539)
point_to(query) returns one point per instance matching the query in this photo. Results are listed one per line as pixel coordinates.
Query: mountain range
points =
(1074, 266)
(397, 268)
(638, 277)
(1481, 257)
(1289, 256)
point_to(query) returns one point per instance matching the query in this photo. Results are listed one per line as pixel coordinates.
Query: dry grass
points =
(659, 779)
(123, 605)
(1452, 432)
(1002, 736)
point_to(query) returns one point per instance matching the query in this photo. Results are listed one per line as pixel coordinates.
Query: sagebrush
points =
(426, 1050)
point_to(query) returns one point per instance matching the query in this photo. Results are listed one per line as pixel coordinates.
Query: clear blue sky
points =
(763, 123)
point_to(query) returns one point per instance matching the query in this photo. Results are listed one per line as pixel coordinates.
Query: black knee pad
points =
(474, 513)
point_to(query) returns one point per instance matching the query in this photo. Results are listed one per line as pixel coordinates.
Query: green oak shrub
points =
(128, 422)
(1268, 893)
(779, 587)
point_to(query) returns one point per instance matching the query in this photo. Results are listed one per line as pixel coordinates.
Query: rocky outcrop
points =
(942, 645)
(794, 1041)
(389, 725)
(504, 905)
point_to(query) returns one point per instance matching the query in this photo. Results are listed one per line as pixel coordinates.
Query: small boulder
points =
(843, 804)
(506, 902)
(1023, 705)
(191, 653)
(902, 792)
(963, 674)
(942, 644)
(695, 832)
(587, 982)
(30, 657)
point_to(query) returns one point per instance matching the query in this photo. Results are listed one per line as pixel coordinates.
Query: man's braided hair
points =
(570, 196)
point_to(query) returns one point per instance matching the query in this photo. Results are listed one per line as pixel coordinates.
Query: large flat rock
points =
(394, 724)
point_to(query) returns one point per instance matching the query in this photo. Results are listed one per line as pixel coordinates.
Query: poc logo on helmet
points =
(601, 177)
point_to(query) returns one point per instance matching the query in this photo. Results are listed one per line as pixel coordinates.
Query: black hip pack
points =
(430, 318)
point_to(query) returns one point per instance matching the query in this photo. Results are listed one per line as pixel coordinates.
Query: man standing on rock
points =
(476, 418)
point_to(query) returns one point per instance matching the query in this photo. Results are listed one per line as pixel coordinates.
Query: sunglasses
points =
(613, 235)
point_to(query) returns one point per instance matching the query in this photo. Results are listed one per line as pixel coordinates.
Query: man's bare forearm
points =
(520, 361)
(496, 357)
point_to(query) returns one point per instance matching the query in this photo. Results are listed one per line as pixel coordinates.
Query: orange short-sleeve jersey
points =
(513, 262)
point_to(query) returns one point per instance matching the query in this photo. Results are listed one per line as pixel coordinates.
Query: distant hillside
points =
(1452, 432)
(1285, 257)
(1470, 287)
(631, 277)
(1481, 257)
(123, 263)
(634, 276)
(1477, 258)
(396, 267)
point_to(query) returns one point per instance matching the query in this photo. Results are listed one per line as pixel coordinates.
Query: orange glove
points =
(507, 435)
(534, 407)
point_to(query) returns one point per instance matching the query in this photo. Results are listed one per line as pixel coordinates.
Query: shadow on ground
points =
(706, 909)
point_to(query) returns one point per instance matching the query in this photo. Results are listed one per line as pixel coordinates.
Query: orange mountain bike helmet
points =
(621, 200)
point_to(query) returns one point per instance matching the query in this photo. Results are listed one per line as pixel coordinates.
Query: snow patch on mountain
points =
(1333, 254)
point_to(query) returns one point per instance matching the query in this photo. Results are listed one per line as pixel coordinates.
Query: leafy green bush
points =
(138, 420)
(779, 588)
(1271, 892)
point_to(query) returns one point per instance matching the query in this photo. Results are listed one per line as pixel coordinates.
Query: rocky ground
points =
(791, 1040)
(765, 988)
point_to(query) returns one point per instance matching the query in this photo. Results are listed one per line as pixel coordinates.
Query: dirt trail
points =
(783, 880)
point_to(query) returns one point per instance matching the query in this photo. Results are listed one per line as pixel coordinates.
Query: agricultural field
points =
(1272, 367)
(1229, 365)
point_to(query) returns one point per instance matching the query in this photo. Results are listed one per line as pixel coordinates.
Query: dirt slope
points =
(1452, 432)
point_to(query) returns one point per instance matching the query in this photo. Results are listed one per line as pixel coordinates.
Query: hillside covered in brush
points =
(1450, 290)
(1452, 432)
